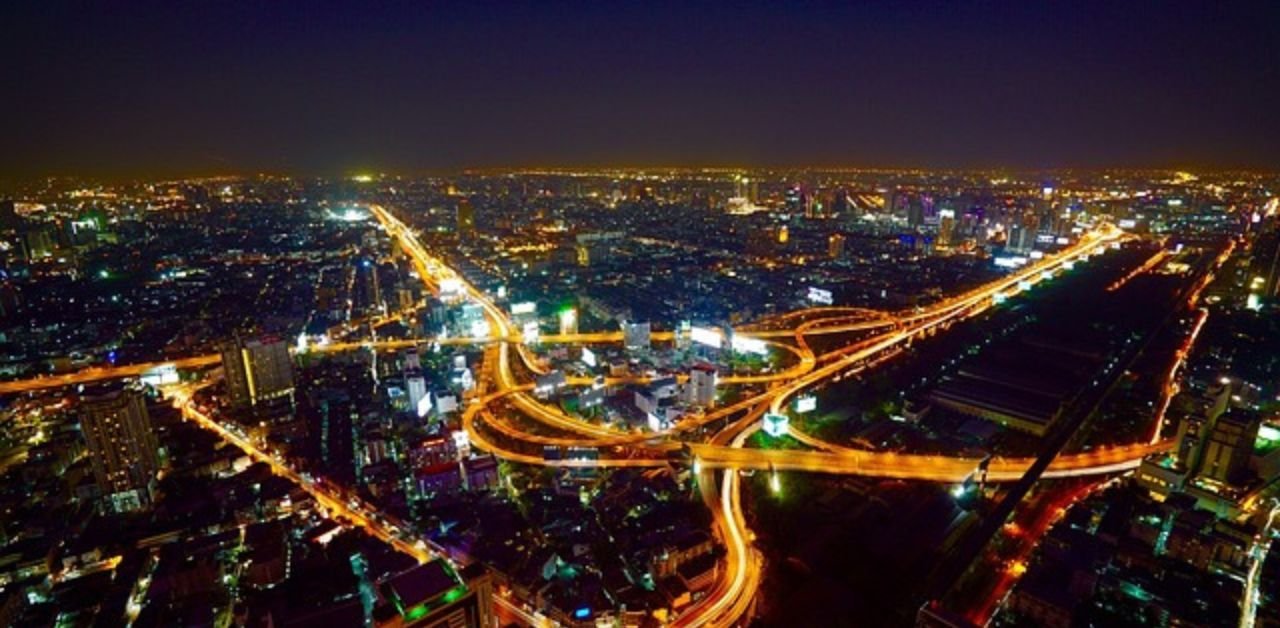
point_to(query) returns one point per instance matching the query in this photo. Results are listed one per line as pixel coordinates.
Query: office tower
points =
(701, 387)
(121, 445)
(257, 370)
(370, 291)
(1194, 430)
(412, 360)
(9, 218)
(1229, 446)
(10, 300)
(946, 227)
(479, 580)
(636, 335)
(466, 217)
(835, 246)
(37, 244)
(794, 200)
(890, 197)
(432, 594)
(568, 322)
(419, 402)
(915, 212)
(930, 209)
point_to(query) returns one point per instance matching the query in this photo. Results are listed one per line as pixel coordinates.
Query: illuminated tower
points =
(257, 370)
(121, 444)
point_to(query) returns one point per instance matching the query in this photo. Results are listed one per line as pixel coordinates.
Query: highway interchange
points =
(716, 459)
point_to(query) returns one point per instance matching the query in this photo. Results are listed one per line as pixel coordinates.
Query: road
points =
(358, 514)
(880, 335)
(1258, 551)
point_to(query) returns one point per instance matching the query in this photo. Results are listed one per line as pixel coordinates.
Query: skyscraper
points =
(890, 197)
(1194, 429)
(701, 387)
(9, 218)
(257, 370)
(466, 217)
(433, 594)
(636, 335)
(946, 227)
(122, 447)
(835, 246)
(568, 322)
(1230, 444)
(915, 211)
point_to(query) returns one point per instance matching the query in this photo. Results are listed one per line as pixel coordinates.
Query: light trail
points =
(335, 504)
(1258, 551)
(732, 596)
(1151, 263)
(1170, 388)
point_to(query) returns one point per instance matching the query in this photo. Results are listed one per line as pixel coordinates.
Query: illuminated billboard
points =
(528, 307)
(744, 344)
(1014, 261)
(775, 425)
(589, 357)
(818, 295)
(707, 336)
(530, 332)
(450, 286)
(807, 403)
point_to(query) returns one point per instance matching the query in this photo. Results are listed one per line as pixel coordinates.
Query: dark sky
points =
(119, 88)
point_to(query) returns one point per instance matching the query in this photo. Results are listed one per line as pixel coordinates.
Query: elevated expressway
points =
(882, 335)
(731, 597)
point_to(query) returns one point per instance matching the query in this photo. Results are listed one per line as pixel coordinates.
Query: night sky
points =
(126, 88)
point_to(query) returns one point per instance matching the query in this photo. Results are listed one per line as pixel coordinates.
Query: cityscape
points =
(280, 391)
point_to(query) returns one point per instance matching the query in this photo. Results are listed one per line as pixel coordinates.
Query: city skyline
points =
(141, 90)
(640, 314)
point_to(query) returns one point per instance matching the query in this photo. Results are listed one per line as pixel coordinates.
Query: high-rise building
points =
(946, 227)
(636, 335)
(37, 244)
(568, 322)
(915, 211)
(1194, 429)
(9, 218)
(840, 204)
(701, 387)
(121, 444)
(412, 360)
(466, 217)
(257, 370)
(794, 200)
(1230, 444)
(370, 291)
(432, 594)
(835, 246)
(890, 197)
(419, 401)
